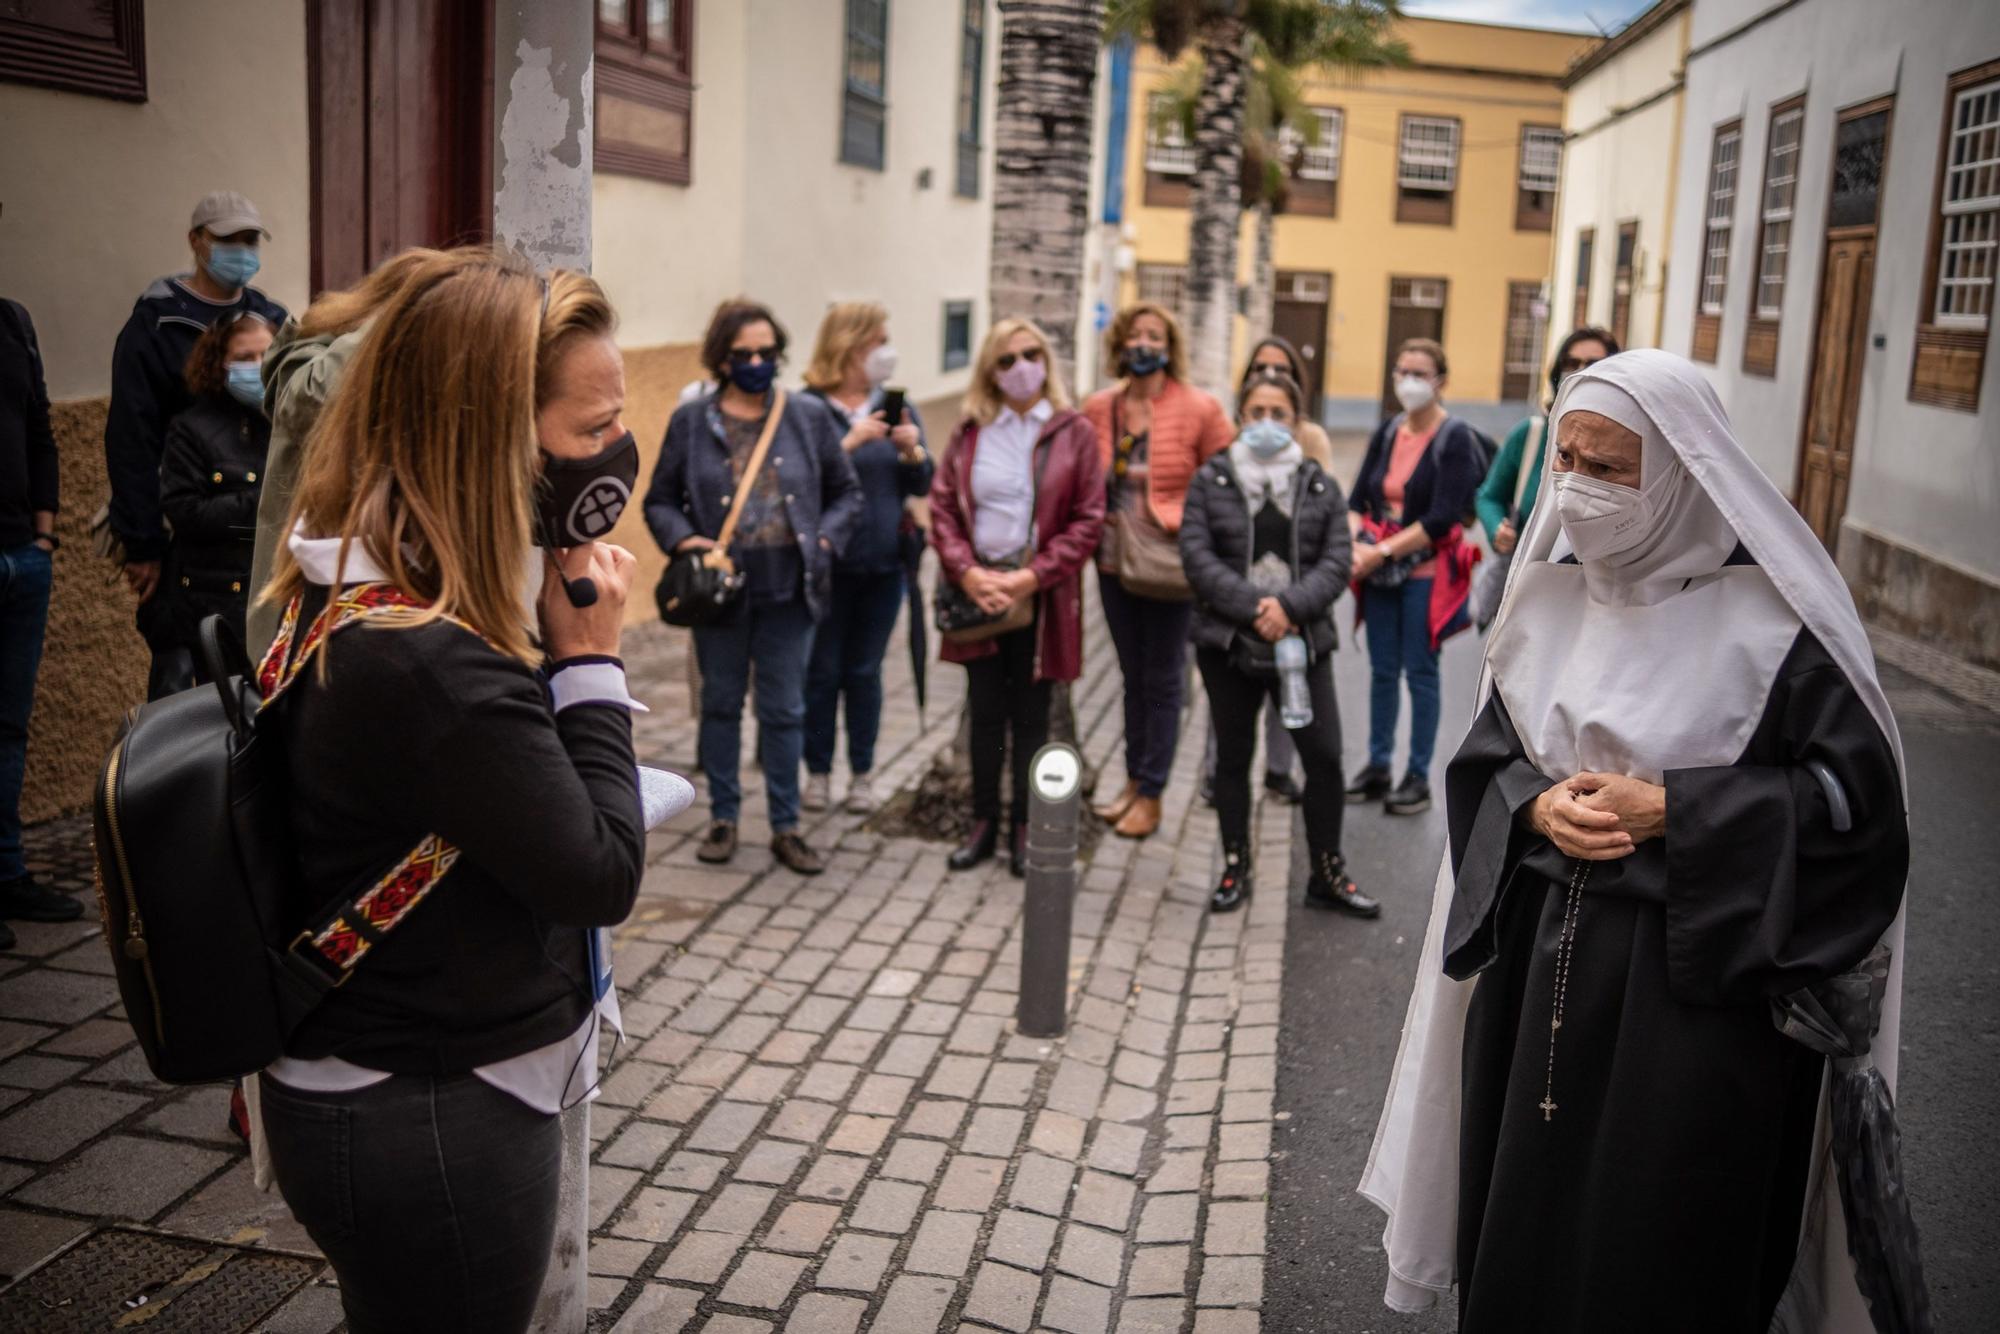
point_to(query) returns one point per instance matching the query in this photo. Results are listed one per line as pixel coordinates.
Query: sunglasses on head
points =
(743, 356)
(1007, 359)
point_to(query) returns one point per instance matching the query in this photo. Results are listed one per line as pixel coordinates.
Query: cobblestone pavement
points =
(822, 1118)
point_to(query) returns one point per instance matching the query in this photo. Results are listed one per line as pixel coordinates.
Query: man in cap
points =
(225, 234)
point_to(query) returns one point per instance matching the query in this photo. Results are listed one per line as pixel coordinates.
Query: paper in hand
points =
(663, 795)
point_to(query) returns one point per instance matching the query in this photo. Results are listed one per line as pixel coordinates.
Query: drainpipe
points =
(542, 106)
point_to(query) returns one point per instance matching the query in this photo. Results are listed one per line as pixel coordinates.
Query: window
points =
(1586, 255)
(1965, 246)
(1717, 219)
(971, 83)
(1315, 184)
(1426, 169)
(644, 76)
(1527, 328)
(98, 49)
(1774, 237)
(957, 334)
(1163, 285)
(864, 110)
(1541, 168)
(1623, 281)
(1169, 155)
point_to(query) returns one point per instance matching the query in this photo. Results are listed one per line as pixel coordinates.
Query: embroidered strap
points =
(340, 938)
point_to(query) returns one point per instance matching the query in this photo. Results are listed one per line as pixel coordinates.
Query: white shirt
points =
(1003, 481)
(564, 1072)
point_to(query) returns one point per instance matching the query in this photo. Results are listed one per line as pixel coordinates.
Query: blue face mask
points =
(1266, 438)
(1143, 361)
(246, 383)
(232, 265)
(753, 377)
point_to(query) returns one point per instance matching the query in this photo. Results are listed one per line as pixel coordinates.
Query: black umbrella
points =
(911, 538)
(1838, 1019)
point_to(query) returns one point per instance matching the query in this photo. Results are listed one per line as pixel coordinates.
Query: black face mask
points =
(579, 500)
(1143, 361)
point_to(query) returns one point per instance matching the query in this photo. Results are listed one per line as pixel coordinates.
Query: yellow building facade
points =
(1425, 209)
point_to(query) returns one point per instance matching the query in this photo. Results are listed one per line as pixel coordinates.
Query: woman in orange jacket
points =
(1153, 430)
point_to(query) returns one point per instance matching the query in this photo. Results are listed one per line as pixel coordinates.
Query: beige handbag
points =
(1143, 557)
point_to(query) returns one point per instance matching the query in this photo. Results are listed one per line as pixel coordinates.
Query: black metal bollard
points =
(1053, 802)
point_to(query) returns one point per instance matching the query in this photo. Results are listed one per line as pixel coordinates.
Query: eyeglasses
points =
(1571, 365)
(743, 356)
(1007, 359)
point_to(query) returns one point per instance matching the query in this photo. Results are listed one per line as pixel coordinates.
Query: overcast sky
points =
(1577, 15)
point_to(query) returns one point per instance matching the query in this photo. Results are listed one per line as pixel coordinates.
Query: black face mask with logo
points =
(579, 500)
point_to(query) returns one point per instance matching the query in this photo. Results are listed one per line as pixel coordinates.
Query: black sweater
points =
(1440, 490)
(27, 445)
(429, 730)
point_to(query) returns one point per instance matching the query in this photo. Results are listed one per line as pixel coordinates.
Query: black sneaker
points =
(1284, 787)
(795, 853)
(719, 843)
(1017, 852)
(1411, 796)
(1233, 889)
(25, 901)
(1371, 784)
(1331, 887)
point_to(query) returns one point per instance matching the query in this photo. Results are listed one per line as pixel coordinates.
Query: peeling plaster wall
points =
(541, 132)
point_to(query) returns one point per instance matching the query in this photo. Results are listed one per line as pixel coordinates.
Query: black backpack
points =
(195, 867)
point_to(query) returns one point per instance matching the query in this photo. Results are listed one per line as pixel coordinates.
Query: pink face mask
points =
(1022, 380)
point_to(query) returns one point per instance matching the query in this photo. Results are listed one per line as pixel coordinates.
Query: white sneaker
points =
(860, 795)
(818, 794)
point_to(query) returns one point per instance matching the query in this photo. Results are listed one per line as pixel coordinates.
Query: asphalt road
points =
(1347, 983)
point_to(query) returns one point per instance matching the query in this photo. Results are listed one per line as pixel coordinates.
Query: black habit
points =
(1665, 1190)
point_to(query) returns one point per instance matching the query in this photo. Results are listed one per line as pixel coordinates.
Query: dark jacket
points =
(1440, 490)
(886, 481)
(210, 480)
(1215, 551)
(1069, 519)
(428, 730)
(693, 484)
(27, 445)
(147, 392)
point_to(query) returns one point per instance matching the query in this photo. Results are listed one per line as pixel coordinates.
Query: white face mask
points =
(880, 364)
(1601, 519)
(1414, 392)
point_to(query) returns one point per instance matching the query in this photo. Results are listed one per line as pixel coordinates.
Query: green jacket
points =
(299, 376)
(1496, 493)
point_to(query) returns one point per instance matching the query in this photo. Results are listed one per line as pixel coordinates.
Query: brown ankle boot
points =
(1141, 818)
(1114, 810)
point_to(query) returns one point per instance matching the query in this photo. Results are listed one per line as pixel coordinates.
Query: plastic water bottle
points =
(1295, 706)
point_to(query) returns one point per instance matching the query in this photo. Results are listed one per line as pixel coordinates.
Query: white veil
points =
(1412, 1171)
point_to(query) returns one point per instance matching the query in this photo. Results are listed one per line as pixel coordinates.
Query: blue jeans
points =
(847, 657)
(1399, 645)
(26, 575)
(1151, 639)
(777, 636)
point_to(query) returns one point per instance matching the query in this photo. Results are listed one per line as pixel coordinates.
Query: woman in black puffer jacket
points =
(211, 474)
(1265, 544)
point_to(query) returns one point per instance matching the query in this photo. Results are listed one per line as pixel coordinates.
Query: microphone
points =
(580, 592)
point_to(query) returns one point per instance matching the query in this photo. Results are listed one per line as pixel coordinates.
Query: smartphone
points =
(892, 406)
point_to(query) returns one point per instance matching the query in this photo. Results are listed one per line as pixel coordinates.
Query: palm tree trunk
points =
(1262, 303)
(1041, 163)
(1218, 202)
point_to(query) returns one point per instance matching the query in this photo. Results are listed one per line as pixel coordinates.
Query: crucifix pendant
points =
(1548, 1106)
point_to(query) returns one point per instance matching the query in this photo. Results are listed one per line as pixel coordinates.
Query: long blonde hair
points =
(426, 454)
(982, 397)
(847, 326)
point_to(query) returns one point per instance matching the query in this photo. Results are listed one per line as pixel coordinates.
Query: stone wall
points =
(1943, 605)
(93, 663)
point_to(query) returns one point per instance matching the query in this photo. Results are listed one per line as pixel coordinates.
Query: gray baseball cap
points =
(226, 212)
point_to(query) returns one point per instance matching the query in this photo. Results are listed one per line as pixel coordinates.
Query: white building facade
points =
(1835, 237)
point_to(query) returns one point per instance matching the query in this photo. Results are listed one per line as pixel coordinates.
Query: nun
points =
(1680, 801)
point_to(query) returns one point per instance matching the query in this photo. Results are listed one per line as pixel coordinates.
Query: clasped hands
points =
(993, 591)
(1600, 817)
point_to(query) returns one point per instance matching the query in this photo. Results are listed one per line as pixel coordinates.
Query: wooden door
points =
(1299, 317)
(1416, 310)
(1840, 339)
(400, 96)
